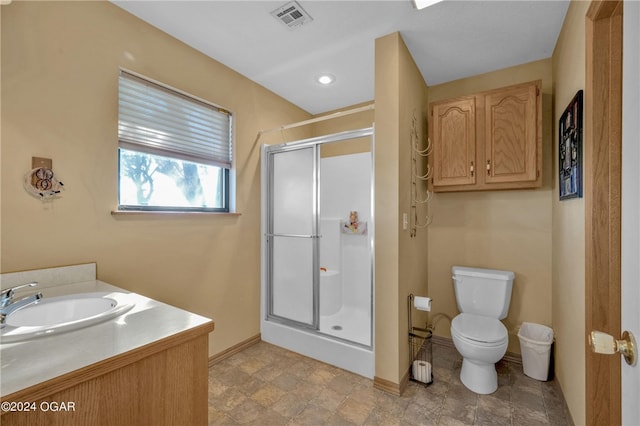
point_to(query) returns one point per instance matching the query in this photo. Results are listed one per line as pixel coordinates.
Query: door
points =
(454, 142)
(612, 181)
(292, 236)
(511, 133)
(631, 204)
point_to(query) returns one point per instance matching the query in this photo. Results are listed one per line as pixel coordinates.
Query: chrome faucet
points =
(7, 305)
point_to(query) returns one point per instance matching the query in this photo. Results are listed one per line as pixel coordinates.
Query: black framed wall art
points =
(570, 149)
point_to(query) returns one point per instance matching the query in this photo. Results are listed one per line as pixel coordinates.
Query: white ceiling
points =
(450, 40)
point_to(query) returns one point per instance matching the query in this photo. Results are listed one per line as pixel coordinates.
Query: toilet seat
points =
(479, 330)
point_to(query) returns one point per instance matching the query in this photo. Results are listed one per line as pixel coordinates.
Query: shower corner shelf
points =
(348, 229)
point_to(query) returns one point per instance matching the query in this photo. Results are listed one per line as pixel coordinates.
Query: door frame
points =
(603, 181)
(631, 204)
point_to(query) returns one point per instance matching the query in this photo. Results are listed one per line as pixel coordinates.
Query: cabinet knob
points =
(488, 167)
(471, 169)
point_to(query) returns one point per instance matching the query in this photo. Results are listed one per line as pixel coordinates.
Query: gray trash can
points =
(535, 343)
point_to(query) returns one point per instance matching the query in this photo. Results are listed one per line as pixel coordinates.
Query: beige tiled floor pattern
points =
(268, 385)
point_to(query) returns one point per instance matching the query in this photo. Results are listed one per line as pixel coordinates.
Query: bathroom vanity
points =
(148, 366)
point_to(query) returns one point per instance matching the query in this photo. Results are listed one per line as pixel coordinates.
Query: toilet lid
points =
(479, 328)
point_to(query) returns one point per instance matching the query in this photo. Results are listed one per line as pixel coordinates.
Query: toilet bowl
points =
(483, 297)
(481, 341)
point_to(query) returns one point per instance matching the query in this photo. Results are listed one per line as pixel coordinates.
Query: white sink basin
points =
(64, 313)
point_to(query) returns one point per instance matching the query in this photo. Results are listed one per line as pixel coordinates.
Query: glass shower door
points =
(292, 236)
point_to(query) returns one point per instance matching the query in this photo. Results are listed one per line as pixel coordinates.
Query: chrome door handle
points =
(603, 343)
(295, 235)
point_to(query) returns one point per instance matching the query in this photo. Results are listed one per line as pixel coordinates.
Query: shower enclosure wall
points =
(317, 219)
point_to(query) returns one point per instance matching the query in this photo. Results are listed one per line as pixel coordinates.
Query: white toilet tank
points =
(483, 291)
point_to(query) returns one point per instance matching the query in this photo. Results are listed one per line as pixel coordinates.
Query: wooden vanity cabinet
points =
(489, 140)
(161, 383)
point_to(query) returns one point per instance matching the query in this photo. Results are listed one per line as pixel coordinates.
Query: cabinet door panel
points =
(454, 144)
(511, 135)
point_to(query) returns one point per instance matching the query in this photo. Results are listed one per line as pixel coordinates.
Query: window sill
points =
(170, 213)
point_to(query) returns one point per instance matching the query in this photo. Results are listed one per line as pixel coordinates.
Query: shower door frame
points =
(267, 157)
(270, 236)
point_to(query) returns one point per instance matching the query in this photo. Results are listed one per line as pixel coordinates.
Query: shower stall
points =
(317, 251)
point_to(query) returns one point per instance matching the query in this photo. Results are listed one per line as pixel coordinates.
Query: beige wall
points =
(59, 100)
(401, 268)
(412, 277)
(508, 230)
(386, 165)
(359, 120)
(568, 226)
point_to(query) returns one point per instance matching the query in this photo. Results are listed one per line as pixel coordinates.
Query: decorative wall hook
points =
(41, 182)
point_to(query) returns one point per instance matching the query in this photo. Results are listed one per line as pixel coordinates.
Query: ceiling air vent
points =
(292, 15)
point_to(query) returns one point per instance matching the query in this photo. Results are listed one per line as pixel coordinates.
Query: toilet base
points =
(479, 378)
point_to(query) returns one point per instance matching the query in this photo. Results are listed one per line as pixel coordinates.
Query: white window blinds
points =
(158, 120)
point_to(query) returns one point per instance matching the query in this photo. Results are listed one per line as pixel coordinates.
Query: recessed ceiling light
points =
(421, 4)
(326, 79)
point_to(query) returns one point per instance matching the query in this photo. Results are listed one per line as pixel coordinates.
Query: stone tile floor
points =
(267, 385)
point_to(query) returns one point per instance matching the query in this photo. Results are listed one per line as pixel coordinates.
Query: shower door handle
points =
(294, 235)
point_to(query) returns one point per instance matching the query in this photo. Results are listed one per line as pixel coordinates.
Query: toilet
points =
(483, 297)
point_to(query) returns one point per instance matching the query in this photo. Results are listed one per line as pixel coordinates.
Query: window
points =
(174, 150)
